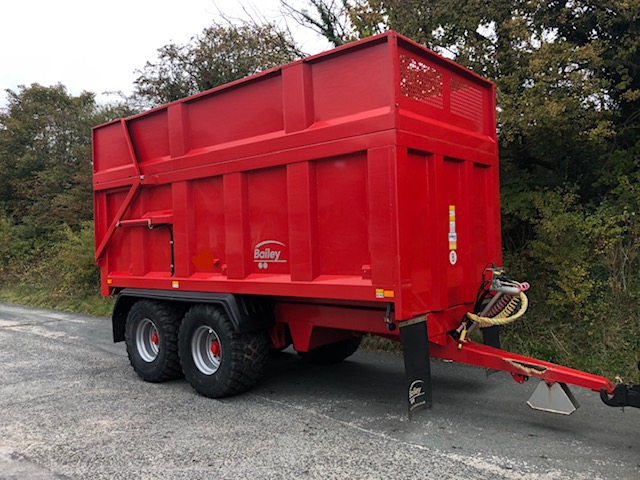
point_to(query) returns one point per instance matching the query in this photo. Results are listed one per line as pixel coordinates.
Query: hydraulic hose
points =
(515, 308)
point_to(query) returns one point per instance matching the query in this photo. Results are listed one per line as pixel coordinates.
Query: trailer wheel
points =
(332, 353)
(218, 361)
(151, 335)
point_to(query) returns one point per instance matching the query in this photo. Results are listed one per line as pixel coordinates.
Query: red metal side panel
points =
(119, 253)
(338, 82)
(207, 233)
(416, 262)
(151, 248)
(150, 135)
(342, 215)
(269, 221)
(110, 150)
(247, 110)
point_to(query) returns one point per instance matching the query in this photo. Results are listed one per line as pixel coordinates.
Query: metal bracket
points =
(553, 397)
(391, 326)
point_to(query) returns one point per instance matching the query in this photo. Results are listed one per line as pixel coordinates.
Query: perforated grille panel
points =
(420, 81)
(444, 89)
(466, 100)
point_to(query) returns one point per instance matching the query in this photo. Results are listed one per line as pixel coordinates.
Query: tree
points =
(45, 152)
(329, 18)
(45, 155)
(220, 54)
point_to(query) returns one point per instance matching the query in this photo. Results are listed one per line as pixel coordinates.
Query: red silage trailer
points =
(352, 192)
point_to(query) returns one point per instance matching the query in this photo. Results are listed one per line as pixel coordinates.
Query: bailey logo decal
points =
(267, 252)
(415, 393)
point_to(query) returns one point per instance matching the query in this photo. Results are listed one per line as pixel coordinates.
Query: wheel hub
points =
(215, 348)
(147, 340)
(206, 350)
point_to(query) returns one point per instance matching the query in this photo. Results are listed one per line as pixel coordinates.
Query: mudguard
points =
(247, 313)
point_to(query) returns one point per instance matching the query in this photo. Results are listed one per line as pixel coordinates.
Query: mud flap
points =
(417, 364)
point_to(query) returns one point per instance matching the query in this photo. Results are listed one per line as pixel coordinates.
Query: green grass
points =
(91, 304)
(372, 343)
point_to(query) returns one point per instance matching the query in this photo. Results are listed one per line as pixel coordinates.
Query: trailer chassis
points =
(552, 395)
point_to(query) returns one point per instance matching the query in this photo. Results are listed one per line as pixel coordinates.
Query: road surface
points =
(72, 407)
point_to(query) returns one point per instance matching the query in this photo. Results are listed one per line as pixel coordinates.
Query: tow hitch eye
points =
(623, 395)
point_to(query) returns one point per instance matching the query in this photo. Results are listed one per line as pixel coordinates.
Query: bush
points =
(16, 248)
(55, 271)
(583, 310)
(74, 256)
(6, 230)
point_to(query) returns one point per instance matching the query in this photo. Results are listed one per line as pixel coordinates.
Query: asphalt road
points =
(71, 407)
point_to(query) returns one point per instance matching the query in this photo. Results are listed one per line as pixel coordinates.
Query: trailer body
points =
(365, 174)
(345, 193)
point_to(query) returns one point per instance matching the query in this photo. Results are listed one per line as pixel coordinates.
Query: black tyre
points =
(151, 335)
(217, 361)
(332, 353)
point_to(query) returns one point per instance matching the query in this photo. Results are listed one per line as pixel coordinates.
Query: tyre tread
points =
(249, 353)
(169, 317)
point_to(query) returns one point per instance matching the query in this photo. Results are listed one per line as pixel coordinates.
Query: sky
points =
(97, 45)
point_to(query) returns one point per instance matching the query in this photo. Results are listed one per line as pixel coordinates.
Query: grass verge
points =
(38, 297)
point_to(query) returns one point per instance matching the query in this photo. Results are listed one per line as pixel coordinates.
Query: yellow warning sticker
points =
(382, 293)
(175, 284)
(453, 236)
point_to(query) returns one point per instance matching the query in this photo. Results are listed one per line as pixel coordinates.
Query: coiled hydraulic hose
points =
(514, 309)
(507, 304)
